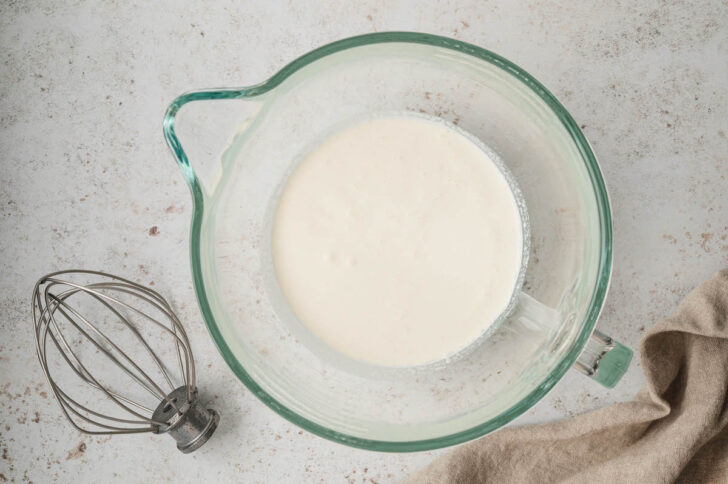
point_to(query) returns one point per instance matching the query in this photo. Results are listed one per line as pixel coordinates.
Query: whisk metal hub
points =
(189, 423)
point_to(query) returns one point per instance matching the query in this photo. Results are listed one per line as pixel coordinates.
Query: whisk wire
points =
(67, 402)
(187, 371)
(159, 303)
(151, 386)
(180, 339)
(78, 364)
(139, 336)
(144, 342)
(76, 407)
(89, 381)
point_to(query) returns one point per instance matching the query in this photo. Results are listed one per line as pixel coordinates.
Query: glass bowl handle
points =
(603, 359)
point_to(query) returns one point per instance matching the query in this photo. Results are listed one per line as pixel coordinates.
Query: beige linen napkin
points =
(675, 429)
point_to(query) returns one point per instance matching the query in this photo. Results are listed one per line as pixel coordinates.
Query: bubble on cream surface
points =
(397, 241)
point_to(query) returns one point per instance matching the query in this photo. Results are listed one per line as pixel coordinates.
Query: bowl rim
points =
(603, 208)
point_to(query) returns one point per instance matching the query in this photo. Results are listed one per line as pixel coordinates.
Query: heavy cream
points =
(397, 241)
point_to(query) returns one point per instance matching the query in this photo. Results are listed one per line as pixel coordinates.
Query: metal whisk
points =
(101, 319)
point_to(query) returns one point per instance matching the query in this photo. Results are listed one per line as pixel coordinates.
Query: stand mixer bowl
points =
(237, 148)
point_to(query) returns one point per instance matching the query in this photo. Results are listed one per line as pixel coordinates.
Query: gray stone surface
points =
(86, 181)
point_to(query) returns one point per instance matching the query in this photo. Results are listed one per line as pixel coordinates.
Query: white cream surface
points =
(397, 241)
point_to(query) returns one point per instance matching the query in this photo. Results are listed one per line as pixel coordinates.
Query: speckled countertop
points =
(86, 180)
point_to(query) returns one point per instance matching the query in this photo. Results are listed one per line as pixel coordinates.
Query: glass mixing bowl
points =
(238, 148)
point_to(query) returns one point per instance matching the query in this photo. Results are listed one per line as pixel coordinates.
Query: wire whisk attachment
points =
(107, 347)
